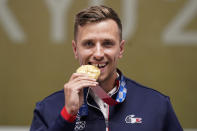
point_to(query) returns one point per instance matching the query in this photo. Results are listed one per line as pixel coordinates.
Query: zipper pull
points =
(107, 125)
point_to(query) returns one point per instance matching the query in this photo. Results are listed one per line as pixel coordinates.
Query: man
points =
(126, 106)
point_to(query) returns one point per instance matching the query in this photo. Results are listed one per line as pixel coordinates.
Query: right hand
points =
(73, 91)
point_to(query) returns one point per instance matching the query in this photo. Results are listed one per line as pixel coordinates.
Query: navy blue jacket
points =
(144, 109)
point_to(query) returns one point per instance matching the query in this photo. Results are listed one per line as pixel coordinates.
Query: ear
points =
(121, 48)
(74, 46)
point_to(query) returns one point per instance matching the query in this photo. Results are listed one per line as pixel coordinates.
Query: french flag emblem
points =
(132, 119)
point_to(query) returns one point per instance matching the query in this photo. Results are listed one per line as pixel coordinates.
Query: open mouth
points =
(99, 65)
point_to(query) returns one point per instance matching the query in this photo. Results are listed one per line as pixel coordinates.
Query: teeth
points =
(99, 65)
(95, 65)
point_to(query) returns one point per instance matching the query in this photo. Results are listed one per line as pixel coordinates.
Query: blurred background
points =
(36, 57)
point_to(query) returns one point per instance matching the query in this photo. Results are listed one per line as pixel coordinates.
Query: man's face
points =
(99, 44)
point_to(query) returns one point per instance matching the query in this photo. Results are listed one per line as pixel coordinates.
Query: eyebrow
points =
(109, 40)
(104, 40)
(87, 40)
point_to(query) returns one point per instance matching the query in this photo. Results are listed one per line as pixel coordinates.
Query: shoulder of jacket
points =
(137, 86)
(52, 97)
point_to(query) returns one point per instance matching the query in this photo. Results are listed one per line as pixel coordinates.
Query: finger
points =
(80, 75)
(81, 97)
(77, 86)
(83, 84)
(84, 78)
(79, 83)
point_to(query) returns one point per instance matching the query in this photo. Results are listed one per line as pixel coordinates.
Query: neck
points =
(108, 84)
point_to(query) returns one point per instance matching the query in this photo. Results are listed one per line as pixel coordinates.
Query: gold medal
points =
(90, 70)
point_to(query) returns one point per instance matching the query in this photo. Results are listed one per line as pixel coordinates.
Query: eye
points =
(88, 44)
(108, 43)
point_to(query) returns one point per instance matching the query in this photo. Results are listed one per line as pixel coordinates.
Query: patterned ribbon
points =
(105, 97)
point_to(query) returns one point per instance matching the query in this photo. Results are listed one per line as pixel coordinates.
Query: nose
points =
(98, 52)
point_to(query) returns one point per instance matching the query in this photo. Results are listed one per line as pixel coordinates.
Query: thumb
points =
(81, 97)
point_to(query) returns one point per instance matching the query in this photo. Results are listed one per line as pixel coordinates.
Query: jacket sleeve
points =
(41, 121)
(171, 121)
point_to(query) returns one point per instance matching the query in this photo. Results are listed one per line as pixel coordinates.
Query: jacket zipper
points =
(107, 125)
(106, 121)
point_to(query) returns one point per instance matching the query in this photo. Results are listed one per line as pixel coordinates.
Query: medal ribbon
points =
(105, 97)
